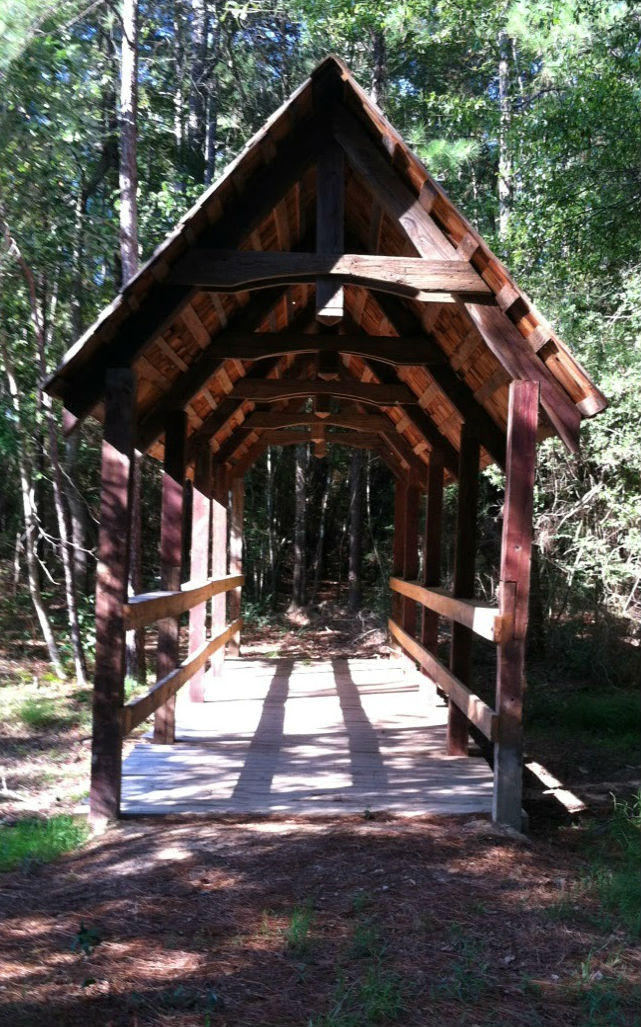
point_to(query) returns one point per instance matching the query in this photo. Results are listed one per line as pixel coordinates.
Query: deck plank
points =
(299, 738)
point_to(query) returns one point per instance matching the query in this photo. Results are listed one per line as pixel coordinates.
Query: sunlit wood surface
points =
(297, 737)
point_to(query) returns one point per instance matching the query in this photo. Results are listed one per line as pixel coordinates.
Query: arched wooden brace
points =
(111, 594)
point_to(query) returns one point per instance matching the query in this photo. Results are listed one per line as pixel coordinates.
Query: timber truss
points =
(324, 290)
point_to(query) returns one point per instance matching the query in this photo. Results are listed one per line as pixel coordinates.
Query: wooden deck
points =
(293, 737)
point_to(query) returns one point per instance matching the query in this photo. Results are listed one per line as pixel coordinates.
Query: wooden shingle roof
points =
(235, 317)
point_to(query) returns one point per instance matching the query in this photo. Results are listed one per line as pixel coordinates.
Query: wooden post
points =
(199, 571)
(219, 559)
(432, 546)
(516, 554)
(330, 228)
(464, 570)
(236, 556)
(410, 552)
(111, 594)
(171, 535)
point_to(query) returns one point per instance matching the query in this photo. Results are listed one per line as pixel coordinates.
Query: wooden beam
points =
(432, 546)
(111, 593)
(428, 280)
(137, 710)
(330, 229)
(516, 554)
(483, 619)
(199, 562)
(150, 607)
(415, 350)
(474, 709)
(512, 351)
(289, 388)
(464, 577)
(237, 507)
(171, 540)
(244, 211)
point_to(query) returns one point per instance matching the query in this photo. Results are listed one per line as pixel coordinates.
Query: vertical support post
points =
(219, 559)
(410, 553)
(199, 571)
(432, 546)
(398, 548)
(330, 228)
(171, 538)
(111, 594)
(236, 556)
(464, 570)
(516, 556)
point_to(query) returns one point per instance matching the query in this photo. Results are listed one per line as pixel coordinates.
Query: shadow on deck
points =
(298, 738)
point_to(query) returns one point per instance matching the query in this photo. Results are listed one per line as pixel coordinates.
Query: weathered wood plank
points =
(137, 710)
(111, 592)
(171, 536)
(413, 277)
(516, 552)
(149, 607)
(476, 711)
(330, 229)
(481, 618)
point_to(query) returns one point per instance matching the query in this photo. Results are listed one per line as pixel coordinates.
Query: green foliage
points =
(297, 932)
(29, 842)
(86, 940)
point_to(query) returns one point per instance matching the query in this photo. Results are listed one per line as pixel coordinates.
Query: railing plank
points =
(144, 609)
(483, 619)
(137, 710)
(476, 711)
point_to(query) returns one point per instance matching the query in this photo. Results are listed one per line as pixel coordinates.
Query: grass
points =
(607, 715)
(296, 934)
(39, 841)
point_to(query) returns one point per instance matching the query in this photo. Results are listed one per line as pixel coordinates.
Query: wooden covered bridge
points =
(324, 290)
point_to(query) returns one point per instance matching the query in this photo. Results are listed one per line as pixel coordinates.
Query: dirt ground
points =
(430, 921)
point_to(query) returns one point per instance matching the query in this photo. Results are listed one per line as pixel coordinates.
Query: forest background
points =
(528, 114)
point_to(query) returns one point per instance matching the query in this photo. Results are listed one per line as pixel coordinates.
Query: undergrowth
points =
(29, 842)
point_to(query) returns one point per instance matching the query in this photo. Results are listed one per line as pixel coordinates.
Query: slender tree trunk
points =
(505, 167)
(322, 527)
(300, 525)
(128, 180)
(269, 502)
(30, 519)
(196, 129)
(379, 69)
(355, 594)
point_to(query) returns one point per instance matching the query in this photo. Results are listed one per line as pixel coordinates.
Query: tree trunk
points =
(505, 167)
(30, 520)
(300, 525)
(322, 525)
(379, 70)
(355, 594)
(196, 128)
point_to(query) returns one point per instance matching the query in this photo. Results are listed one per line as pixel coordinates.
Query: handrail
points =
(137, 710)
(477, 712)
(144, 609)
(482, 618)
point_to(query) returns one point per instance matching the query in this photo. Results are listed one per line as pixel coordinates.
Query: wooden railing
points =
(484, 620)
(145, 609)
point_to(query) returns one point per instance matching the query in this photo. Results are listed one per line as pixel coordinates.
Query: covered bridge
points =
(325, 289)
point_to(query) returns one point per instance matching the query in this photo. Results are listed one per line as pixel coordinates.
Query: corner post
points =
(199, 568)
(111, 594)
(219, 559)
(516, 556)
(464, 570)
(171, 544)
(236, 556)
